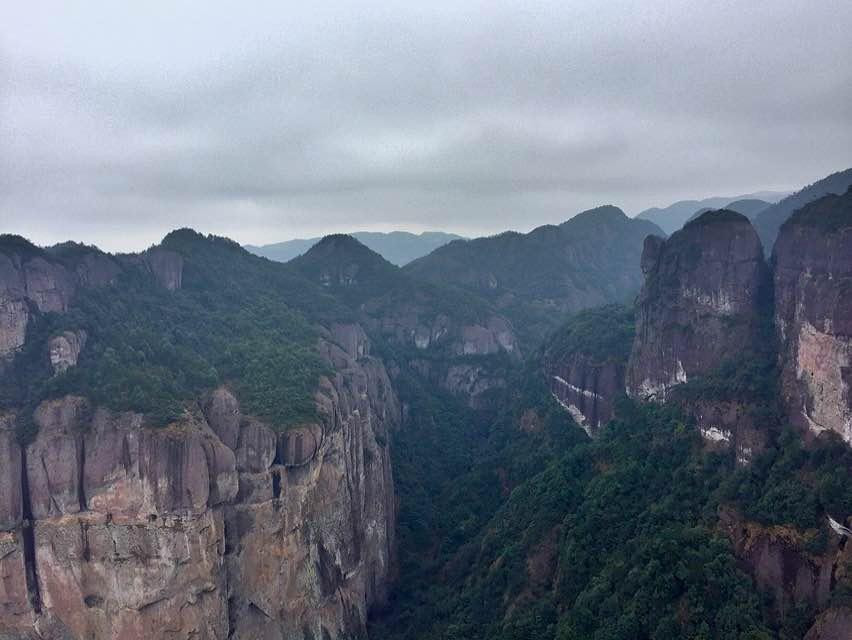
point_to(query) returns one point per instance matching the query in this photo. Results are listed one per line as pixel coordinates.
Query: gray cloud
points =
(272, 121)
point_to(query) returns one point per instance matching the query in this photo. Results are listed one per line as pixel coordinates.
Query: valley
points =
(590, 431)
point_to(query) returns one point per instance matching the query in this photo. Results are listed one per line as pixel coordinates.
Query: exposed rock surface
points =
(64, 350)
(813, 314)
(728, 424)
(587, 389)
(585, 362)
(166, 265)
(214, 527)
(11, 500)
(700, 304)
(781, 567)
(833, 624)
(45, 280)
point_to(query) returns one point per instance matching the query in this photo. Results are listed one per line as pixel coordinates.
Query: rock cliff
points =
(585, 364)
(813, 314)
(35, 280)
(216, 526)
(792, 573)
(700, 304)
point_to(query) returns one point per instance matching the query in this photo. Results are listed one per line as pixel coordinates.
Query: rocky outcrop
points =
(586, 389)
(700, 304)
(782, 567)
(813, 314)
(728, 424)
(309, 562)
(11, 500)
(214, 527)
(33, 279)
(833, 624)
(166, 265)
(64, 350)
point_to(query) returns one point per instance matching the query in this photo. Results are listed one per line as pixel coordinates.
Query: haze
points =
(270, 121)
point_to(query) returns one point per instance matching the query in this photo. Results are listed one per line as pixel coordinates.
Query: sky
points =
(265, 121)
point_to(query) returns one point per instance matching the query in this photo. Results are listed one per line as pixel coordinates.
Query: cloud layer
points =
(275, 120)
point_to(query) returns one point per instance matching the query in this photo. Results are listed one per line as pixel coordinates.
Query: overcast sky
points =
(265, 121)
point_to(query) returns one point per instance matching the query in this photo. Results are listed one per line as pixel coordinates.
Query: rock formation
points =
(64, 350)
(813, 314)
(214, 527)
(587, 389)
(700, 304)
(791, 575)
(44, 280)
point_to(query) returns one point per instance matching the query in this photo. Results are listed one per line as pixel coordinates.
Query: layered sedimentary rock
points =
(700, 304)
(813, 314)
(215, 527)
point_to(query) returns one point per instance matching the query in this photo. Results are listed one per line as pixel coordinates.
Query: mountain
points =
(537, 277)
(547, 533)
(455, 339)
(196, 442)
(160, 413)
(815, 313)
(398, 247)
(673, 217)
(749, 207)
(769, 221)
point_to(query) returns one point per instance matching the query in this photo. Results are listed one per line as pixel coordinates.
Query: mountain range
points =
(397, 247)
(673, 217)
(592, 430)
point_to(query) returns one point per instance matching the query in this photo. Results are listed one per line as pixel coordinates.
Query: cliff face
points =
(586, 389)
(46, 280)
(699, 305)
(214, 527)
(793, 577)
(813, 314)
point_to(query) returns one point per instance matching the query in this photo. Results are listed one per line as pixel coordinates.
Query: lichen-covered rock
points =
(813, 314)
(64, 350)
(700, 304)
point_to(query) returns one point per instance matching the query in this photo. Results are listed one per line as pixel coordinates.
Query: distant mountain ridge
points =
(674, 216)
(769, 221)
(397, 247)
(749, 207)
(589, 260)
